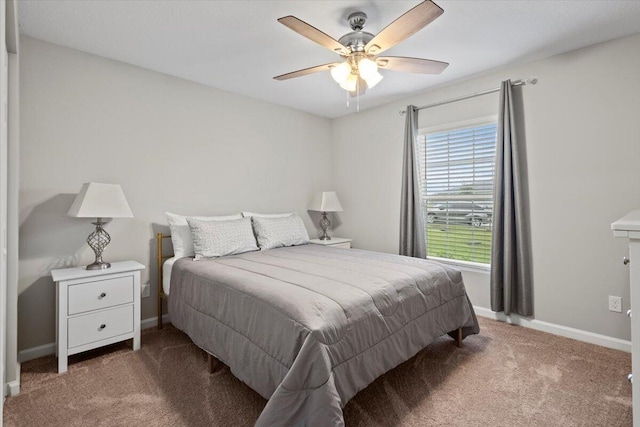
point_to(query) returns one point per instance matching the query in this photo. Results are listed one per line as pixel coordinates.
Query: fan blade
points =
(411, 65)
(406, 25)
(305, 71)
(313, 34)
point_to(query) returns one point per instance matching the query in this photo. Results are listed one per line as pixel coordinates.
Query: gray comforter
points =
(307, 327)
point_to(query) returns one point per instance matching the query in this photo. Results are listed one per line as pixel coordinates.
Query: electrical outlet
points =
(146, 290)
(615, 304)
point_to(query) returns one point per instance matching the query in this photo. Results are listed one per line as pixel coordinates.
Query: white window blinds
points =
(456, 170)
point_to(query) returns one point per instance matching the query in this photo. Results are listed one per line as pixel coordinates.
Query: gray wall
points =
(173, 145)
(85, 118)
(583, 146)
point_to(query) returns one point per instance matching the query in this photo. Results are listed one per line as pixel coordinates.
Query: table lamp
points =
(325, 201)
(99, 201)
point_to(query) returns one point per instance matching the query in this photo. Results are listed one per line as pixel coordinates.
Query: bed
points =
(309, 326)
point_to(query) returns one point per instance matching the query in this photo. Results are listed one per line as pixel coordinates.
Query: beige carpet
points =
(506, 376)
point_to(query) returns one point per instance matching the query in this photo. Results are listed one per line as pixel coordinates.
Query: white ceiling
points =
(239, 46)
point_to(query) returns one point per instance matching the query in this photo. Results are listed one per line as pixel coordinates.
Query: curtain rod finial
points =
(531, 81)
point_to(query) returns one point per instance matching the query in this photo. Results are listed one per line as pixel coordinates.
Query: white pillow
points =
(181, 235)
(212, 239)
(259, 215)
(283, 231)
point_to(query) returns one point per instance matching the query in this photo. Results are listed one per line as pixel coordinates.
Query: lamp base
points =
(99, 266)
(324, 225)
(98, 240)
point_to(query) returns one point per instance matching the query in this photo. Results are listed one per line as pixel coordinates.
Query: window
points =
(456, 173)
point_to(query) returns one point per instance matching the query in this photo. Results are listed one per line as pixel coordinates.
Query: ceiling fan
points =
(360, 49)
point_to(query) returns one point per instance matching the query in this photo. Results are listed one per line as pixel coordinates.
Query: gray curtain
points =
(511, 279)
(413, 240)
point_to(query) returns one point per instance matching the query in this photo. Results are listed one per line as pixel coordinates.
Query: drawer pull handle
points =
(629, 313)
(102, 327)
(102, 295)
(625, 260)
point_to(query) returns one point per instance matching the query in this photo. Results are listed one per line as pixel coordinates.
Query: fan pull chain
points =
(347, 100)
(358, 95)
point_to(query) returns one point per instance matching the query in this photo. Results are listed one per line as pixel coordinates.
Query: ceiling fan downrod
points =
(357, 20)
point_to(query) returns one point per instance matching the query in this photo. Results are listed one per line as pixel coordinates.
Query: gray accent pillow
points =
(277, 232)
(212, 239)
(181, 234)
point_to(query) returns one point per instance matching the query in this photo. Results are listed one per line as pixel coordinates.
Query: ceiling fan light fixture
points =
(374, 79)
(340, 73)
(351, 82)
(359, 49)
(367, 68)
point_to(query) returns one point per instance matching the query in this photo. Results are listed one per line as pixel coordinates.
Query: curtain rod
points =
(521, 82)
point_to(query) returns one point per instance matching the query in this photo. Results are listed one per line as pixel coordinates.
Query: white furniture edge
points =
(333, 241)
(72, 273)
(630, 222)
(552, 328)
(629, 227)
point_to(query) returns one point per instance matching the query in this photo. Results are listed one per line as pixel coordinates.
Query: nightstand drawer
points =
(100, 294)
(335, 242)
(98, 326)
(341, 245)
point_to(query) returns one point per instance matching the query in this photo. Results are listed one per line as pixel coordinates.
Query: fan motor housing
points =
(356, 40)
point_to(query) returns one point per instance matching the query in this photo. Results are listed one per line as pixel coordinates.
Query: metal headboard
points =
(161, 259)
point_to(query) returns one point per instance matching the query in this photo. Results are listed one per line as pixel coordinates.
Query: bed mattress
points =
(167, 266)
(309, 326)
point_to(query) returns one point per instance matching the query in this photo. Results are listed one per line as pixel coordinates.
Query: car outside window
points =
(456, 175)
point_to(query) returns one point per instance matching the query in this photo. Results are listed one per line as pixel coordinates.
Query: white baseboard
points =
(551, 328)
(47, 349)
(12, 388)
(36, 352)
(153, 321)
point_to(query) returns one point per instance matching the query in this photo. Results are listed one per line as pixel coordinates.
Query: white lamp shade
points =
(325, 201)
(340, 72)
(350, 84)
(373, 80)
(100, 201)
(367, 68)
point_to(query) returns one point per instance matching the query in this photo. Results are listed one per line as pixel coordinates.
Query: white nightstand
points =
(336, 242)
(96, 308)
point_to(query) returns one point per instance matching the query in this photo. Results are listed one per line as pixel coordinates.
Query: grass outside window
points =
(460, 242)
